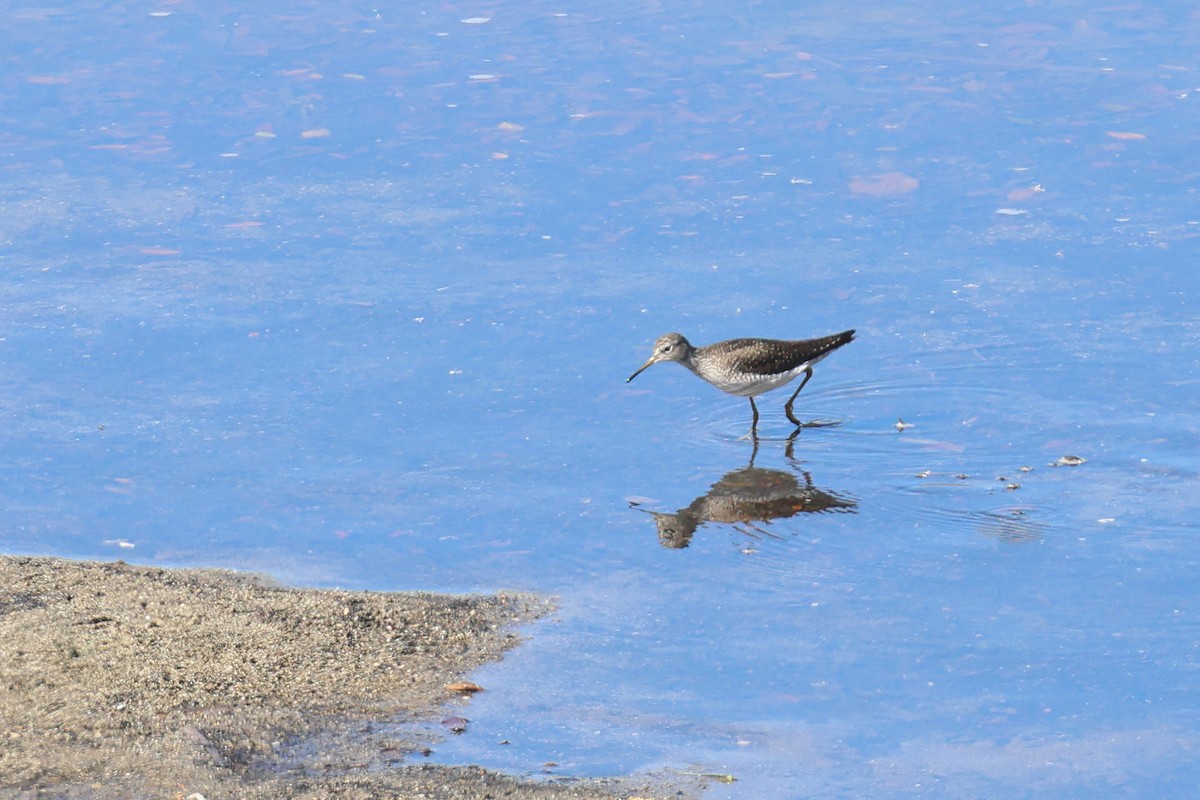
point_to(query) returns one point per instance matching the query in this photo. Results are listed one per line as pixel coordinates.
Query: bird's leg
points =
(754, 423)
(788, 408)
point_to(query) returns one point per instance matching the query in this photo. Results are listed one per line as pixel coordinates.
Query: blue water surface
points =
(349, 295)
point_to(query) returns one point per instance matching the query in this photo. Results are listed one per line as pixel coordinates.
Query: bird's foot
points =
(817, 423)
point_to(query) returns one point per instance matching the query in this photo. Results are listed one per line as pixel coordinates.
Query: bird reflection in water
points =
(747, 499)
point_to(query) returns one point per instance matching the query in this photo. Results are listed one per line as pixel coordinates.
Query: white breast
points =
(745, 385)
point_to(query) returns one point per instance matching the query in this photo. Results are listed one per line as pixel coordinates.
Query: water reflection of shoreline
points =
(747, 499)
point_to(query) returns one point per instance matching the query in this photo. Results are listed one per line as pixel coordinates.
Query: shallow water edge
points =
(128, 681)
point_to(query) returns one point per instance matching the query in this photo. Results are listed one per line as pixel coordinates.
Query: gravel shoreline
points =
(124, 681)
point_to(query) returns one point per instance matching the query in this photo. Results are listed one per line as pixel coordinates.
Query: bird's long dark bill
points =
(641, 369)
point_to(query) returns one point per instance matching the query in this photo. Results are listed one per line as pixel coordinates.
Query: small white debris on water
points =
(1069, 461)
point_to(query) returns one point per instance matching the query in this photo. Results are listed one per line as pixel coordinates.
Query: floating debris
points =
(455, 724)
(924, 474)
(1069, 461)
(465, 687)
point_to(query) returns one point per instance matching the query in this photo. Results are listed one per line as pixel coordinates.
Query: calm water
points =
(349, 295)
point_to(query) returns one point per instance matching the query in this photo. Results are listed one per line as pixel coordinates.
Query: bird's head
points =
(669, 347)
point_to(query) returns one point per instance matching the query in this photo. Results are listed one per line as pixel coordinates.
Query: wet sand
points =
(119, 681)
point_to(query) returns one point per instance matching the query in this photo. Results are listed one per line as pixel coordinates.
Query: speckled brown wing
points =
(773, 356)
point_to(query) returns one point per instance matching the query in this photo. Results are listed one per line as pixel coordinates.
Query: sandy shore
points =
(119, 681)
